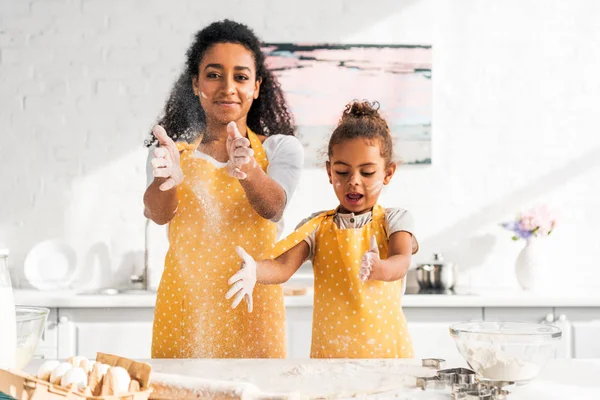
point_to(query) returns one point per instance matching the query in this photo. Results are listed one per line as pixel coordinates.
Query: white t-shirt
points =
(286, 160)
(396, 219)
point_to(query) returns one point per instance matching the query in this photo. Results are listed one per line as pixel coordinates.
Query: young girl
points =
(227, 180)
(360, 251)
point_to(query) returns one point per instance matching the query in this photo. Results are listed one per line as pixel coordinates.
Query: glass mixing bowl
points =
(31, 322)
(506, 351)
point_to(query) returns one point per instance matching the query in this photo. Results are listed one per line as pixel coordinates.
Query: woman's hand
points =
(166, 163)
(239, 152)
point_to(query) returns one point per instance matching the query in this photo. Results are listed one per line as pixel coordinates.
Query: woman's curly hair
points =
(183, 117)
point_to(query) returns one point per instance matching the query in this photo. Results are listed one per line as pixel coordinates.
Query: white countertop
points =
(472, 298)
(560, 379)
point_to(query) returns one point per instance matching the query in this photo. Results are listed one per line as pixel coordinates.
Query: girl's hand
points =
(165, 163)
(243, 281)
(239, 151)
(369, 261)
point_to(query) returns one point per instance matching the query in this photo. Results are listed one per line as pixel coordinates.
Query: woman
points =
(226, 166)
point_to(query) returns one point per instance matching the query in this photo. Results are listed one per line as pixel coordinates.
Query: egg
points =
(87, 365)
(46, 370)
(97, 377)
(75, 378)
(116, 381)
(76, 361)
(121, 379)
(59, 372)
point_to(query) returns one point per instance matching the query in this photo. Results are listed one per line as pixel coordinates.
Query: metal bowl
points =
(31, 322)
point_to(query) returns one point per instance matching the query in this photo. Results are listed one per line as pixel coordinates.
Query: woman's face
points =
(226, 82)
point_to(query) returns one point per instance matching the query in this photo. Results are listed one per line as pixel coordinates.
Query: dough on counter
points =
(46, 370)
(75, 378)
(59, 372)
(96, 378)
(116, 381)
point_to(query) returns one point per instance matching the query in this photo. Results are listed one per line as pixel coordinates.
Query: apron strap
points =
(259, 151)
(185, 146)
(299, 234)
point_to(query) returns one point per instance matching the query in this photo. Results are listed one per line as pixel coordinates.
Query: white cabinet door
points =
(299, 331)
(430, 330)
(581, 329)
(519, 314)
(123, 331)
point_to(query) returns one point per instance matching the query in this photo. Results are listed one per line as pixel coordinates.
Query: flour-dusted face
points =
(358, 173)
(227, 83)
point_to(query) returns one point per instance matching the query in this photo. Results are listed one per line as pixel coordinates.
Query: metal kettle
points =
(438, 275)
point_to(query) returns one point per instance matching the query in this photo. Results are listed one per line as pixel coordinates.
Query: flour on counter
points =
(310, 378)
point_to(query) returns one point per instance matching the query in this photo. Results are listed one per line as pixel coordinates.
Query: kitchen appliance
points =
(436, 275)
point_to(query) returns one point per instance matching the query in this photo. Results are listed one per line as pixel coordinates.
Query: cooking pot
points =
(438, 274)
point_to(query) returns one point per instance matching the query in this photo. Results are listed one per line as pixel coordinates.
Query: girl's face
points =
(358, 173)
(226, 82)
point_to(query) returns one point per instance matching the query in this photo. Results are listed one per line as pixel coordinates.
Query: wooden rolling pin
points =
(172, 386)
(175, 387)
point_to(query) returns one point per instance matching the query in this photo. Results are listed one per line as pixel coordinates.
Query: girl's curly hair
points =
(361, 119)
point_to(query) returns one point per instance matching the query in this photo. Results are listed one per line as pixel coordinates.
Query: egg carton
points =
(22, 386)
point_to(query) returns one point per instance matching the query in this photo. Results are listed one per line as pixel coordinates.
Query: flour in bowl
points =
(494, 359)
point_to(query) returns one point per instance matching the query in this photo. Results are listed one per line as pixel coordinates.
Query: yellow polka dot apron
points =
(352, 319)
(192, 318)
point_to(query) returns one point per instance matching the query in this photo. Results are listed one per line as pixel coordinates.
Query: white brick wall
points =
(516, 97)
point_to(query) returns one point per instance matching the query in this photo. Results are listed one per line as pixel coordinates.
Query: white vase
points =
(529, 265)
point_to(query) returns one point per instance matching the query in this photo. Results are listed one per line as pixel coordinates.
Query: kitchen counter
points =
(464, 298)
(560, 379)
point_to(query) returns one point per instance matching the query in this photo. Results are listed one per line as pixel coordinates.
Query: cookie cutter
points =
(431, 382)
(483, 390)
(463, 382)
(437, 363)
(484, 394)
(457, 375)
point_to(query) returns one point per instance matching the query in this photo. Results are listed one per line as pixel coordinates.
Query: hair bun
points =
(358, 109)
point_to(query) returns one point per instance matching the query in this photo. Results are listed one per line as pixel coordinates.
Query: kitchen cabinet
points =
(429, 330)
(123, 331)
(299, 331)
(128, 331)
(581, 330)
